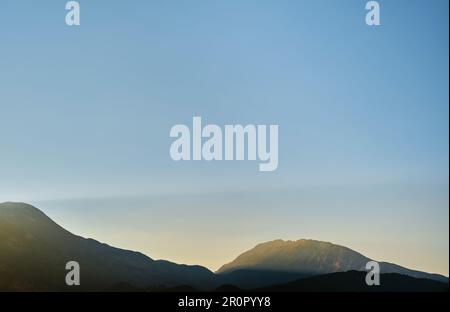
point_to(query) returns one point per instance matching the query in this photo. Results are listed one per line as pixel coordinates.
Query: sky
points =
(362, 112)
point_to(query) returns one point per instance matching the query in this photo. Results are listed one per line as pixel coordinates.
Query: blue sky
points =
(363, 115)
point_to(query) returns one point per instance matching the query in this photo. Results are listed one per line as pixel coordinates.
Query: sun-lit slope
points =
(303, 255)
(311, 257)
(34, 251)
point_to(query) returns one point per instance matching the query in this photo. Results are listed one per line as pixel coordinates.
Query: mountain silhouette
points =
(34, 251)
(251, 278)
(311, 257)
(354, 281)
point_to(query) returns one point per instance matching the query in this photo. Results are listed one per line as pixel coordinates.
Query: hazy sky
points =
(85, 114)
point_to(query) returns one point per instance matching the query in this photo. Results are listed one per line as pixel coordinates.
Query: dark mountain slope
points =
(34, 251)
(248, 279)
(354, 281)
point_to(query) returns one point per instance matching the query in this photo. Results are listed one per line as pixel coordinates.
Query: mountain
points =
(249, 279)
(354, 281)
(34, 251)
(311, 257)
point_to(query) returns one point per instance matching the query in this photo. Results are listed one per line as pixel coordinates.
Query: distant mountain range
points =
(34, 251)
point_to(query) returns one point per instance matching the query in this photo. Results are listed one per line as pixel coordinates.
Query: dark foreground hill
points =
(350, 281)
(354, 281)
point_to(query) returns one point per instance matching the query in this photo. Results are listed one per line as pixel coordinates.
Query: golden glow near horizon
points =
(213, 229)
